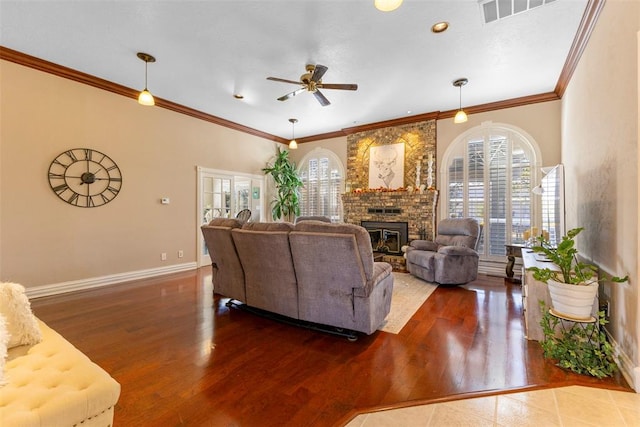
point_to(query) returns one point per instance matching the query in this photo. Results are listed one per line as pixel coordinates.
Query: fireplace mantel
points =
(415, 208)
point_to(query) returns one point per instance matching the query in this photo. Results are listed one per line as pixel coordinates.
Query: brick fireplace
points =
(394, 206)
(415, 201)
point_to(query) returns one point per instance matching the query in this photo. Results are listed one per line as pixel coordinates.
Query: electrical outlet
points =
(180, 253)
(163, 256)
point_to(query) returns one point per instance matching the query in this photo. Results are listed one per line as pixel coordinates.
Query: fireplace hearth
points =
(387, 237)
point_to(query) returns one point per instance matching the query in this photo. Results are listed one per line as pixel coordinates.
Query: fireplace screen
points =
(387, 237)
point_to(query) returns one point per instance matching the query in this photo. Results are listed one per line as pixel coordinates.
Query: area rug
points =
(409, 293)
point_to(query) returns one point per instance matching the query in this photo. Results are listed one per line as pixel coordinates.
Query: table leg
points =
(509, 269)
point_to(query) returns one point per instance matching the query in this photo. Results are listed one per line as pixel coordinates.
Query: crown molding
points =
(585, 29)
(80, 77)
(587, 24)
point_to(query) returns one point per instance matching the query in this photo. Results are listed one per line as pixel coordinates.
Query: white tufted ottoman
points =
(52, 383)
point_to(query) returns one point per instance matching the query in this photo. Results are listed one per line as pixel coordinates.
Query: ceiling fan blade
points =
(321, 98)
(292, 94)
(276, 79)
(341, 86)
(318, 72)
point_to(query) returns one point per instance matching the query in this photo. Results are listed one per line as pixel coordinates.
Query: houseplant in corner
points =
(288, 184)
(573, 285)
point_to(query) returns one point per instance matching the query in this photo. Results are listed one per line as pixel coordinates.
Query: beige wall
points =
(541, 121)
(600, 152)
(47, 241)
(337, 145)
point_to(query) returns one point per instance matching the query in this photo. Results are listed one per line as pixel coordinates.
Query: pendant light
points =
(293, 144)
(461, 116)
(145, 97)
(387, 5)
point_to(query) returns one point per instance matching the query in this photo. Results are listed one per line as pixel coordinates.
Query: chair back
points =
(458, 232)
(244, 215)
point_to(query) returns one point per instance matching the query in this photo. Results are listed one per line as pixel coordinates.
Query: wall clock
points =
(85, 178)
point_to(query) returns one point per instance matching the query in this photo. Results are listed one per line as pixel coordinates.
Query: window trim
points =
(484, 130)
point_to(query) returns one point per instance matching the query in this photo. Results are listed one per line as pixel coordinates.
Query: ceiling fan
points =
(311, 81)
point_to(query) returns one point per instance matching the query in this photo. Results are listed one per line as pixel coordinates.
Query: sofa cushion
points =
(268, 226)
(423, 259)
(363, 239)
(225, 222)
(22, 325)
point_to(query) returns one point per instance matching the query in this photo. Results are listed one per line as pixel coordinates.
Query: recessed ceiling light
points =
(440, 27)
(238, 96)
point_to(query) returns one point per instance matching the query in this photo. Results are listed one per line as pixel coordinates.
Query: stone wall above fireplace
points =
(360, 203)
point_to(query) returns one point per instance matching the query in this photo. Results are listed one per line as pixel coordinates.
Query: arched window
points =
(323, 176)
(488, 173)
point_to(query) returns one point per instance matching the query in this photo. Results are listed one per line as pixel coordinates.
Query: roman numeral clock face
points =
(85, 178)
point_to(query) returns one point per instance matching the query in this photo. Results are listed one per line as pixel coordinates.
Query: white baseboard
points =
(97, 282)
(630, 372)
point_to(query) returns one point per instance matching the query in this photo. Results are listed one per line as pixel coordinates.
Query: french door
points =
(222, 194)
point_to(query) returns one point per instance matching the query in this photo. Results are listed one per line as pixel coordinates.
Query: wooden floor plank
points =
(184, 358)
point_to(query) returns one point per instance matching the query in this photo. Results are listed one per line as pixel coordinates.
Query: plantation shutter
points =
(489, 178)
(323, 178)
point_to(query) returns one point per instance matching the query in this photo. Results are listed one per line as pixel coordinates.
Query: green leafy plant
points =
(565, 257)
(582, 348)
(288, 184)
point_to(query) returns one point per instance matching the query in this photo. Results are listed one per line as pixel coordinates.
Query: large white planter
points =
(573, 301)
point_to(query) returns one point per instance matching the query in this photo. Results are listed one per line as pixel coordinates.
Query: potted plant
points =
(573, 285)
(582, 348)
(288, 184)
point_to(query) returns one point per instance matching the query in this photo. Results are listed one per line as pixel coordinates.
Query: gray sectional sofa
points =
(312, 271)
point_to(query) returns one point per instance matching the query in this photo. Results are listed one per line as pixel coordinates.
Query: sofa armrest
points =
(380, 271)
(424, 245)
(457, 250)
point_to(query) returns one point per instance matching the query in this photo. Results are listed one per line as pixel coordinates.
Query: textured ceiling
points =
(208, 50)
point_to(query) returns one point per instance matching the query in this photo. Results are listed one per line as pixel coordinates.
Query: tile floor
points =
(565, 407)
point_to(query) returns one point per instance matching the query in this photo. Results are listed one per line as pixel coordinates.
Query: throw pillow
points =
(4, 340)
(21, 324)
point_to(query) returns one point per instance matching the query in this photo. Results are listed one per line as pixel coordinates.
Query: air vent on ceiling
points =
(494, 10)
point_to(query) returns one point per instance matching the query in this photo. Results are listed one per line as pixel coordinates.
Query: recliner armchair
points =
(449, 260)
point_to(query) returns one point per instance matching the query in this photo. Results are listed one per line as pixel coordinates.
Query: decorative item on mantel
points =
(430, 173)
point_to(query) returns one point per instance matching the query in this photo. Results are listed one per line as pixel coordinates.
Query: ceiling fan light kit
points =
(461, 116)
(145, 97)
(387, 5)
(311, 81)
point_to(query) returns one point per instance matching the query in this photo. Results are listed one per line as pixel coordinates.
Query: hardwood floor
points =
(184, 358)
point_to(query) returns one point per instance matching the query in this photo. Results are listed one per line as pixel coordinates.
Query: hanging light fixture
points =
(461, 116)
(293, 144)
(387, 5)
(145, 97)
